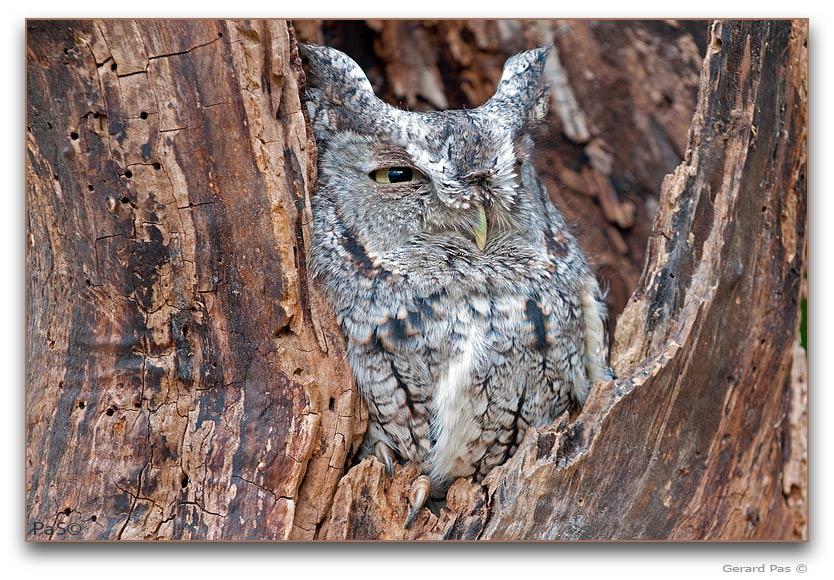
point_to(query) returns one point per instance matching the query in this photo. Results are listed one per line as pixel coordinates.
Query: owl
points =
(467, 306)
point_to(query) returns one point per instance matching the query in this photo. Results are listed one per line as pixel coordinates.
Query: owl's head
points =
(393, 176)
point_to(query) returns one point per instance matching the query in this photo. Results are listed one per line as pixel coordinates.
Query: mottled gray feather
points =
(456, 349)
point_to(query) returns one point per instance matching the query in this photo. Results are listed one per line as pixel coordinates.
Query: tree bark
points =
(185, 380)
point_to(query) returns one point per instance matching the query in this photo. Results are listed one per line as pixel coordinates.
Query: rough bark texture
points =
(185, 379)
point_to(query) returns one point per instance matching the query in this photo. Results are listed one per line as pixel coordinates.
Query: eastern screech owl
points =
(469, 310)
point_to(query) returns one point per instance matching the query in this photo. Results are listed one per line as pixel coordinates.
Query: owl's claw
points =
(419, 494)
(386, 455)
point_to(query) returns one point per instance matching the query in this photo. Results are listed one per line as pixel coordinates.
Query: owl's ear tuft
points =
(522, 88)
(334, 83)
(333, 71)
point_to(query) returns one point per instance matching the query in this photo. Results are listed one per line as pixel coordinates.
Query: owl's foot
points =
(386, 455)
(419, 494)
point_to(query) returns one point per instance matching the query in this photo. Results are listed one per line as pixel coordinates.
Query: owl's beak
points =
(480, 227)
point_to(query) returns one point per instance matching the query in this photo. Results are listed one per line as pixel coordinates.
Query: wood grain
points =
(183, 375)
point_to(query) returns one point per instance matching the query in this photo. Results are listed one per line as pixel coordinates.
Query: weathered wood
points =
(186, 381)
(183, 376)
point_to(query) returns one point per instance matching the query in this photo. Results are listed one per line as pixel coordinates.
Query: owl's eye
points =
(395, 175)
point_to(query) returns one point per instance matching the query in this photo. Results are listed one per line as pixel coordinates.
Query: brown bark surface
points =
(185, 379)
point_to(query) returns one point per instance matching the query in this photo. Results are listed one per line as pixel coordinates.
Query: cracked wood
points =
(183, 377)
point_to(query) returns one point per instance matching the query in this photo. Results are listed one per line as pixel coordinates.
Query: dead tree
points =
(185, 379)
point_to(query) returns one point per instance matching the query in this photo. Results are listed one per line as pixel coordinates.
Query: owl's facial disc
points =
(465, 214)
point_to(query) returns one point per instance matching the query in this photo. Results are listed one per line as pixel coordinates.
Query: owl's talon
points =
(386, 455)
(419, 494)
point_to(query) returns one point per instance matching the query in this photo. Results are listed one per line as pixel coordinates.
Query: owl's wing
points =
(569, 263)
(391, 366)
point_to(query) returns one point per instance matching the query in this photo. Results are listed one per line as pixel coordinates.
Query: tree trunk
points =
(185, 380)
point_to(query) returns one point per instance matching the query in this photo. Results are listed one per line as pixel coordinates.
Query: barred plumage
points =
(469, 310)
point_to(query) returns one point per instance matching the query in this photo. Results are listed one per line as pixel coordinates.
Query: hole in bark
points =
(671, 275)
(67, 511)
(184, 330)
(110, 411)
(219, 35)
(93, 518)
(81, 404)
(285, 329)
(581, 501)
(128, 174)
(157, 166)
(125, 200)
(96, 115)
(331, 404)
(143, 115)
(184, 482)
(88, 283)
(74, 136)
(60, 384)
(114, 66)
(90, 188)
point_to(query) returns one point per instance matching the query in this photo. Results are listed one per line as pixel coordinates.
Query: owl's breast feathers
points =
(458, 351)
(455, 372)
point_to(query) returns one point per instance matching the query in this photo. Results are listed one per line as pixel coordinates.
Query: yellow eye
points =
(395, 175)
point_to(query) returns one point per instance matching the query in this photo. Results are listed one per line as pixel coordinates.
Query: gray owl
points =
(468, 308)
